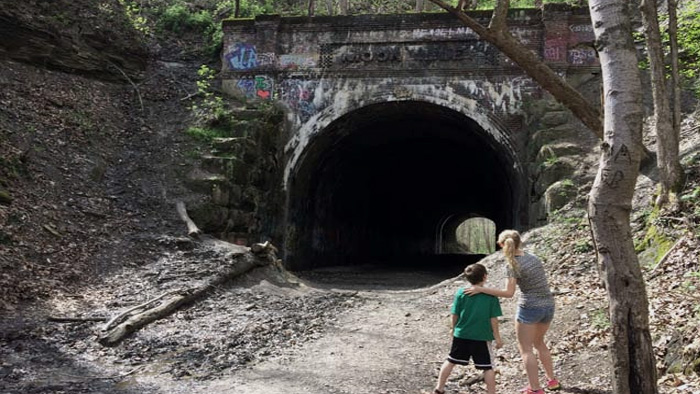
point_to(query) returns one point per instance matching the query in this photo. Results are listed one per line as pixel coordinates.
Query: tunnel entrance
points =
(387, 185)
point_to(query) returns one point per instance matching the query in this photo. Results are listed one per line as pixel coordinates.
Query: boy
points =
(474, 325)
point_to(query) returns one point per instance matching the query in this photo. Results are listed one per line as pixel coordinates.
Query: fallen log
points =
(120, 316)
(137, 321)
(111, 336)
(192, 229)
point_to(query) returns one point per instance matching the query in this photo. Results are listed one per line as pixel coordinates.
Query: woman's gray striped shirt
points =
(532, 281)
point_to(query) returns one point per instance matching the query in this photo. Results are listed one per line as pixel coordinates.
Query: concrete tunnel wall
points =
(378, 184)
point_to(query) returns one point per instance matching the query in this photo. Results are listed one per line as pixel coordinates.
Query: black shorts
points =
(464, 349)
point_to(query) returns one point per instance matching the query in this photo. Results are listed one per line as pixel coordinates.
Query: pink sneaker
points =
(553, 385)
(528, 390)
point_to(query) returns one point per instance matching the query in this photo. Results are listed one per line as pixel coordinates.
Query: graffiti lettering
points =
(242, 57)
(259, 87)
(443, 33)
(582, 56)
(554, 50)
(504, 96)
(299, 96)
(266, 59)
(477, 51)
(473, 51)
(379, 54)
(581, 28)
(297, 61)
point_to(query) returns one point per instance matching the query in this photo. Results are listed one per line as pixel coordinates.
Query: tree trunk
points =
(675, 68)
(420, 5)
(329, 7)
(668, 162)
(634, 366)
(311, 8)
(343, 5)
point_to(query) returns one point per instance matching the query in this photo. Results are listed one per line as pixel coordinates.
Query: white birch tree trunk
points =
(634, 366)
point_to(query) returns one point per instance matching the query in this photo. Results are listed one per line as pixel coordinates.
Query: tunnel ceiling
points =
(377, 184)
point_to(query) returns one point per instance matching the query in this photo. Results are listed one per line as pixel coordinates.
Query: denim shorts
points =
(534, 315)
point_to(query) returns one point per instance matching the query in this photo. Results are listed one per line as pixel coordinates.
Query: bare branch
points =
(499, 16)
(531, 63)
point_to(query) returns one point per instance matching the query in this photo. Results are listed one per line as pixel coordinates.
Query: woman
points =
(535, 308)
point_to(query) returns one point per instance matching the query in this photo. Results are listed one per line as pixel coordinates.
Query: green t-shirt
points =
(475, 313)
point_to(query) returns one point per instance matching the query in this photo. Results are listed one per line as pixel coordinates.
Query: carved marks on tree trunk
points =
(621, 157)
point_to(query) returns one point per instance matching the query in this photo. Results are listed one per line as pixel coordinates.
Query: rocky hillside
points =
(92, 146)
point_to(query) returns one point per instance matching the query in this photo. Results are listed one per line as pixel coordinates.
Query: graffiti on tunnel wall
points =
(298, 61)
(241, 56)
(582, 56)
(299, 95)
(260, 87)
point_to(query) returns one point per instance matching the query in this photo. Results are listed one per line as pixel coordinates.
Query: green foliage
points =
(583, 246)
(213, 117)
(490, 4)
(211, 104)
(567, 182)
(600, 319)
(205, 134)
(693, 196)
(689, 39)
(178, 19)
(692, 280)
(252, 8)
(550, 161)
(133, 14)
(655, 236)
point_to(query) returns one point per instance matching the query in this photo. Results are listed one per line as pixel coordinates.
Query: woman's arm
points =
(508, 292)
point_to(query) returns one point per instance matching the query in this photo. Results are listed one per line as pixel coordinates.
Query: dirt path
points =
(339, 332)
(391, 342)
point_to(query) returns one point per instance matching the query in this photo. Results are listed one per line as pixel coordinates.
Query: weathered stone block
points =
(557, 170)
(202, 182)
(552, 119)
(557, 150)
(220, 194)
(558, 195)
(227, 146)
(554, 135)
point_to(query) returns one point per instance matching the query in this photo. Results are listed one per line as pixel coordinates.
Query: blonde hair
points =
(510, 242)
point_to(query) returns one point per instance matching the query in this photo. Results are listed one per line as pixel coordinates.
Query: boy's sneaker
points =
(553, 385)
(531, 391)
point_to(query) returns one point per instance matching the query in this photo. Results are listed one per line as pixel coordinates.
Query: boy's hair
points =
(476, 273)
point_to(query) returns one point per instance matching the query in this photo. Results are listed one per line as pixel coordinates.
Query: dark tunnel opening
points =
(381, 185)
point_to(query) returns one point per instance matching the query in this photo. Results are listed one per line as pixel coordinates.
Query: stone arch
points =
(318, 233)
(466, 106)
